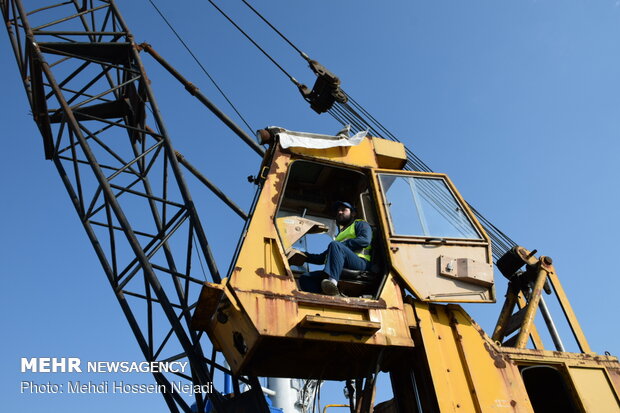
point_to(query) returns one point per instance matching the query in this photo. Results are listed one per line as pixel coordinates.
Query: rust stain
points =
(453, 320)
(454, 324)
(339, 301)
(279, 176)
(268, 294)
(262, 273)
(498, 361)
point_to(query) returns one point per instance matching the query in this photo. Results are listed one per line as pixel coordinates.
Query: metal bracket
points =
(326, 89)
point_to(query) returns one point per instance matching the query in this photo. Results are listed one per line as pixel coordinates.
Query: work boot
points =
(330, 287)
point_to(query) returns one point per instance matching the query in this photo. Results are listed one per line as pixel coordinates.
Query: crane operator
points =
(350, 249)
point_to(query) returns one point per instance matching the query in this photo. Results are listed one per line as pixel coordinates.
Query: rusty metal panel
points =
(596, 378)
(495, 379)
(340, 324)
(469, 372)
(449, 380)
(210, 298)
(262, 329)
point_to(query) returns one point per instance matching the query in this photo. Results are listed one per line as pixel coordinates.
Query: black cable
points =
(355, 114)
(439, 200)
(337, 116)
(200, 64)
(350, 120)
(414, 163)
(356, 120)
(348, 113)
(292, 79)
(305, 56)
(419, 164)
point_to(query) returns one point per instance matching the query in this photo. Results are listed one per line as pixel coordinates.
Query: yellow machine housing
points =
(428, 250)
(265, 325)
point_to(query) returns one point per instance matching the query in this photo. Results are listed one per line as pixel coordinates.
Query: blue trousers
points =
(337, 257)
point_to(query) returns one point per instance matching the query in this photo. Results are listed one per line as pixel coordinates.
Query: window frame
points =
(385, 211)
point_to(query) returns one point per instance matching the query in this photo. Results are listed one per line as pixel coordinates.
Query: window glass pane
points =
(425, 207)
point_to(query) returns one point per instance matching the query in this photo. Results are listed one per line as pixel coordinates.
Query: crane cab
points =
(426, 243)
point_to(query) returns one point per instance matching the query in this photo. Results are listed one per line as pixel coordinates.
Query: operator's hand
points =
(296, 257)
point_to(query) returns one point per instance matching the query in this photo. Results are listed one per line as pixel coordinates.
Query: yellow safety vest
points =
(349, 233)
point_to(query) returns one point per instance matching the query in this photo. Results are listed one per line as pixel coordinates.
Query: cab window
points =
(421, 206)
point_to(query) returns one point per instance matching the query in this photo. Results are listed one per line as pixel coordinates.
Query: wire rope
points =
(247, 36)
(202, 67)
(304, 55)
(354, 114)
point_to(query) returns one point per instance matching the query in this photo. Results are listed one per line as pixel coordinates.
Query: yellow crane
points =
(428, 250)
(90, 98)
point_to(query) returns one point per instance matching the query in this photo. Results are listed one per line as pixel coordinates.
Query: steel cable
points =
(247, 36)
(349, 113)
(178, 36)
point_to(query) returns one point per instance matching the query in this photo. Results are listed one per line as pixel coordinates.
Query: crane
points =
(127, 104)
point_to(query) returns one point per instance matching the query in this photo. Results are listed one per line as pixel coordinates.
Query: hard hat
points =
(345, 204)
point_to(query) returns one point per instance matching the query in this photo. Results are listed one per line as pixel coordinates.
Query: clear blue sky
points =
(518, 101)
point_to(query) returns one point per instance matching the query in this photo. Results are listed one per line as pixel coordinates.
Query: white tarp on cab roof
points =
(315, 141)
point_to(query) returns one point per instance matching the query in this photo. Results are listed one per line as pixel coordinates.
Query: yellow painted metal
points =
(505, 314)
(270, 315)
(340, 324)
(210, 298)
(534, 336)
(532, 307)
(449, 378)
(333, 405)
(468, 370)
(389, 154)
(546, 271)
(590, 376)
(595, 390)
(266, 326)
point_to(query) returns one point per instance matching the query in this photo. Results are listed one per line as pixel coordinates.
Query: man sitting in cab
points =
(350, 249)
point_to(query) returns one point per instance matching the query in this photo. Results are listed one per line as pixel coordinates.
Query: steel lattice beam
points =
(90, 99)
